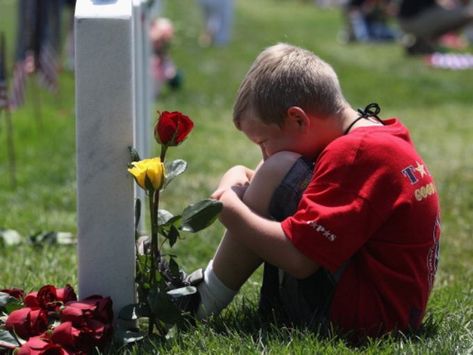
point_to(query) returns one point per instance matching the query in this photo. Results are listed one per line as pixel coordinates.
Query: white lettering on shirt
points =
(322, 230)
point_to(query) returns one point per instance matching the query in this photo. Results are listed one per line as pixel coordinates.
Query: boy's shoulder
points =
(392, 133)
(371, 145)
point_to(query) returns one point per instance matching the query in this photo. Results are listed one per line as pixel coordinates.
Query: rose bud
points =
(172, 128)
(148, 173)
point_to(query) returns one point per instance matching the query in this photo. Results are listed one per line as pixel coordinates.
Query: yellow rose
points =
(153, 169)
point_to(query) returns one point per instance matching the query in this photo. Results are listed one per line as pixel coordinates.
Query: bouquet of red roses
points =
(52, 320)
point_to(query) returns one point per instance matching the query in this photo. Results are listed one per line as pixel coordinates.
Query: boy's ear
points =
(298, 116)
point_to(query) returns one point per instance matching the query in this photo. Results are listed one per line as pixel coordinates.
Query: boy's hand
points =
(237, 178)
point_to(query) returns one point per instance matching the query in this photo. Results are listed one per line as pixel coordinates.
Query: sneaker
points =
(184, 294)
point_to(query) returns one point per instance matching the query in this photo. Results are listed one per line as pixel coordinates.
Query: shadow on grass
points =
(243, 327)
(246, 321)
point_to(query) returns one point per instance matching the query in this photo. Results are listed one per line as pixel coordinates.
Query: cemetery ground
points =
(436, 105)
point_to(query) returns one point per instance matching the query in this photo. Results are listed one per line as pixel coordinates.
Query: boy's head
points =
(283, 76)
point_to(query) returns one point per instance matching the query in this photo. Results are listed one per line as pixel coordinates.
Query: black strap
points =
(371, 110)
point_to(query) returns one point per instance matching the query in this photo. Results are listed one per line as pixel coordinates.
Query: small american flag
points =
(3, 74)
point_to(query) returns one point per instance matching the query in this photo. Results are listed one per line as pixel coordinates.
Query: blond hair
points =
(283, 76)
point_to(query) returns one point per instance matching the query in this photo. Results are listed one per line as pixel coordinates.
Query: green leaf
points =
(134, 156)
(168, 225)
(173, 169)
(164, 216)
(133, 312)
(8, 303)
(142, 261)
(137, 213)
(172, 235)
(174, 267)
(163, 308)
(7, 340)
(13, 305)
(200, 215)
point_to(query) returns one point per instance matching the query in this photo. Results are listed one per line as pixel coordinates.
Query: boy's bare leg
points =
(234, 263)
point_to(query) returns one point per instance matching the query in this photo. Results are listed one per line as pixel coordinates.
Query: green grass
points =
(434, 104)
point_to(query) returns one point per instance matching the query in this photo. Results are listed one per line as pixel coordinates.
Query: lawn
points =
(436, 105)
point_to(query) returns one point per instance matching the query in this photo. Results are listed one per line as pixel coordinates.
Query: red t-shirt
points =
(372, 209)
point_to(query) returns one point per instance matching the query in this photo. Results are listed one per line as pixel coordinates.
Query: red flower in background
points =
(172, 128)
(27, 322)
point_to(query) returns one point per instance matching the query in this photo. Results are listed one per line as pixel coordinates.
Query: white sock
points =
(214, 295)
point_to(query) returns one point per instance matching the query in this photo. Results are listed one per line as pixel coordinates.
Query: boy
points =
(342, 210)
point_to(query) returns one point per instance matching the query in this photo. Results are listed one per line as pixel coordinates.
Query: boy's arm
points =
(263, 236)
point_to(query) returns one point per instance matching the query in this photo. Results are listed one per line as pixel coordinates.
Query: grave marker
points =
(105, 108)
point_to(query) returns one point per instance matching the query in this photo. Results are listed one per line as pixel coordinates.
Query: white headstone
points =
(104, 130)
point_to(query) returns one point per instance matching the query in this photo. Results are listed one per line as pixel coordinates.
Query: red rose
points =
(50, 298)
(66, 335)
(14, 292)
(103, 307)
(27, 322)
(77, 313)
(89, 335)
(66, 294)
(93, 307)
(172, 128)
(47, 298)
(31, 300)
(40, 346)
(98, 333)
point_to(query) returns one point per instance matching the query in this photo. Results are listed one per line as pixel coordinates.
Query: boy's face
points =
(271, 138)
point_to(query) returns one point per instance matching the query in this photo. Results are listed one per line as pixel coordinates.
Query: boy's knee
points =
(267, 178)
(275, 168)
(281, 162)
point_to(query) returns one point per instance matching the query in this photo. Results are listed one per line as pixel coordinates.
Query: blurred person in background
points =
(424, 22)
(164, 70)
(218, 22)
(368, 21)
